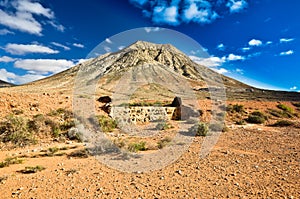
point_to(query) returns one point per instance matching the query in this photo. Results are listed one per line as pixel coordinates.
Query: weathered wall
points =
(142, 113)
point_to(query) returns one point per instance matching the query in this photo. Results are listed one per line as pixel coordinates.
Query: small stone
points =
(179, 172)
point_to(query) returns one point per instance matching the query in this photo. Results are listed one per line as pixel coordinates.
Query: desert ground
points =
(248, 161)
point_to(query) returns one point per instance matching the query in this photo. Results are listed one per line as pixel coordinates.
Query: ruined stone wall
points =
(142, 113)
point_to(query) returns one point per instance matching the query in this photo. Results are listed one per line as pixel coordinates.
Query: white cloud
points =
(107, 49)
(221, 47)
(60, 45)
(221, 70)
(24, 16)
(44, 66)
(6, 76)
(6, 32)
(289, 52)
(121, 47)
(232, 57)
(21, 21)
(57, 26)
(238, 70)
(34, 8)
(152, 29)
(293, 88)
(236, 6)
(168, 15)
(199, 15)
(175, 12)
(108, 41)
(6, 59)
(18, 79)
(208, 62)
(78, 45)
(245, 49)
(21, 49)
(23, 79)
(255, 42)
(285, 40)
(269, 42)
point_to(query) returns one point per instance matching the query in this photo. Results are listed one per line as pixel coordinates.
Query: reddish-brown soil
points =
(248, 161)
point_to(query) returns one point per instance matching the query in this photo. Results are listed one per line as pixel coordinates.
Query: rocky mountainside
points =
(145, 57)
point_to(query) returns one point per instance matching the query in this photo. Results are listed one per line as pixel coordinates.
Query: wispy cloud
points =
(289, 52)
(108, 41)
(233, 57)
(221, 70)
(22, 49)
(176, 12)
(60, 45)
(255, 42)
(269, 42)
(152, 29)
(221, 47)
(78, 45)
(245, 49)
(286, 40)
(208, 62)
(293, 88)
(6, 59)
(236, 5)
(43, 66)
(107, 49)
(240, 71)
(6, 32)
(24, 17)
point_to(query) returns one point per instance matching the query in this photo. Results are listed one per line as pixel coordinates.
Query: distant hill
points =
(5, 84)
(152, 59)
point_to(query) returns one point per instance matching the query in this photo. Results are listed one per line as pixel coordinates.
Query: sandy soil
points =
(248, 161)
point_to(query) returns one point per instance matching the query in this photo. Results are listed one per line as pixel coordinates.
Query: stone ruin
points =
(142, 114)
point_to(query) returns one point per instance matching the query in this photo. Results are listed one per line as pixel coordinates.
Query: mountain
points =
(149, 59)
(5, 84)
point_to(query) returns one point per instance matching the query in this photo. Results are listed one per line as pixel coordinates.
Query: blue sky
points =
(254, 41)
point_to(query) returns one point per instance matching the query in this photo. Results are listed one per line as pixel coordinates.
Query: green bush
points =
(285, 108)
(256, 117)
(283, 123)
(107, 124)
(236, 108)
(15, 130)
(200, 129)
(135, 147)
(11, 160)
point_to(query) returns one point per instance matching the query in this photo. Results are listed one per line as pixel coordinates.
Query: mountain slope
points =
(110, 67)
(5, 84)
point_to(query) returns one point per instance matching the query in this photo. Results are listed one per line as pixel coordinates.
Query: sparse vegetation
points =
(15, 129)
(163, 126)
(240, 122)
(200, 129)
(256, 117)
(285, 108)
(35, 169)
(236, 108)
(164, 142)
(283, 123)
(107, 124)
(11, 160)
(135, 147)
(79, 154)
